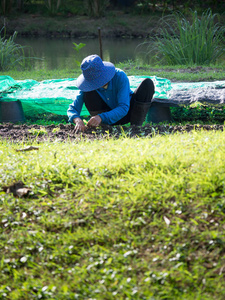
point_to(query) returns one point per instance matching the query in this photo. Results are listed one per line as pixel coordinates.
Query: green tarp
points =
(54, 96)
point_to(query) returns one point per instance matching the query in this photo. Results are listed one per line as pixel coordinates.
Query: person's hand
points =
(94, 121)
(79, 127)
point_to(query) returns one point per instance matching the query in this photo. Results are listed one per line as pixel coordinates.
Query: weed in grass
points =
(37, 132)
(55, 130)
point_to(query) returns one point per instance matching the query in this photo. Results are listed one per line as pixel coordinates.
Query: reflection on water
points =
(59, 53)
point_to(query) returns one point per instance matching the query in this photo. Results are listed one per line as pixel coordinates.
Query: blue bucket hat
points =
(95, 73)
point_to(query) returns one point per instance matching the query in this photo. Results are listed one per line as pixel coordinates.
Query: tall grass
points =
(12, 55)
(96, 8)
(187, 42)
(53, 6)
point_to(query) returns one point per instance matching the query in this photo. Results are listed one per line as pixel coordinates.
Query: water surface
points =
(60, 53)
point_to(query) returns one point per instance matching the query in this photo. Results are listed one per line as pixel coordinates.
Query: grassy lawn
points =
(176, 73)
(132, 219)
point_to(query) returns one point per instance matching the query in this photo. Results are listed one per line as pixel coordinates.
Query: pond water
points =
(60, 53)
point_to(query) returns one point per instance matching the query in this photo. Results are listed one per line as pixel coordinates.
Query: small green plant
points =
(55, 130)
(78, 47)
(189, 42)
(37, 132)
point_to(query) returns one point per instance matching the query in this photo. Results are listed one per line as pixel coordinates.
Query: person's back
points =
(106, 93)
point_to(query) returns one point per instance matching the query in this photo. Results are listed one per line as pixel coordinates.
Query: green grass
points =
(43, 74)
(115, 219)
(175, 73)
(180, 73)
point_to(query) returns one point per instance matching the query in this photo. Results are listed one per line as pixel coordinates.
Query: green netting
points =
(54, 96)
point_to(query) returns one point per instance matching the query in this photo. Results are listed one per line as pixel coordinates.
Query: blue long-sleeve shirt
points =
(117, 96)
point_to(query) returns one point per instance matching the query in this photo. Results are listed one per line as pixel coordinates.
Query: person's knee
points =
(149, 87)
(148, 83)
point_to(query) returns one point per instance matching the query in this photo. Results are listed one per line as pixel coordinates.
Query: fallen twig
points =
(27, 149)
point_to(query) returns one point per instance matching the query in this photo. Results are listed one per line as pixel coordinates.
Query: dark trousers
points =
(143, 93)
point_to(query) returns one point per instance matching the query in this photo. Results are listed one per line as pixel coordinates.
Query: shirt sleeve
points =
(121, 87)
(75, 108)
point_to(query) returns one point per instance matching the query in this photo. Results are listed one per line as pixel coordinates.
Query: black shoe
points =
(139, 112)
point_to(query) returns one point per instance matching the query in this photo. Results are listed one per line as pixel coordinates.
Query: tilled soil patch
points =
(61, 132)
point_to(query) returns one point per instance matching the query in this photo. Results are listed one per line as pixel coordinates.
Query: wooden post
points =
(100, 42)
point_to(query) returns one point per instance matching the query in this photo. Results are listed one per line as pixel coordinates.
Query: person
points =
(106, 93)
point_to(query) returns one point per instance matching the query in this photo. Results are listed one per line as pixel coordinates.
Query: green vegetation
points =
(37, 132)
(197, 41)
(175, 73)
(143, 224)
(53, 6)
(98, 220)
(96, 8)
(180, 73)
(12, 55)
(77, 48)
(198, 113)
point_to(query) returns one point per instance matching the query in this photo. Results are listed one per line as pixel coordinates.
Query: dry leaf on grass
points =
(18, 189)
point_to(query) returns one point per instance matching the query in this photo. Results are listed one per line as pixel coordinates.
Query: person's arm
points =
(75, 108)
(121, 91)
(74, 111)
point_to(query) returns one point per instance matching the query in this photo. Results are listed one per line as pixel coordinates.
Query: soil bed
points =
(61, 132)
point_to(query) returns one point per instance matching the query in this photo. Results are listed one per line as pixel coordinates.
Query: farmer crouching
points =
(106, 93)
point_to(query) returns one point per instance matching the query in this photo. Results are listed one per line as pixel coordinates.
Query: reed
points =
(12, 55)
(190, 42)
(53, 6)
(96, 8)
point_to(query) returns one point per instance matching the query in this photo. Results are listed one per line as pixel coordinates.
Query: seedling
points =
(55, 130)
(78, 47)
(36, 131)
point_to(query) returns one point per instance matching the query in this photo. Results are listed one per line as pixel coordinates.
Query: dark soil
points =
(35, 133)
